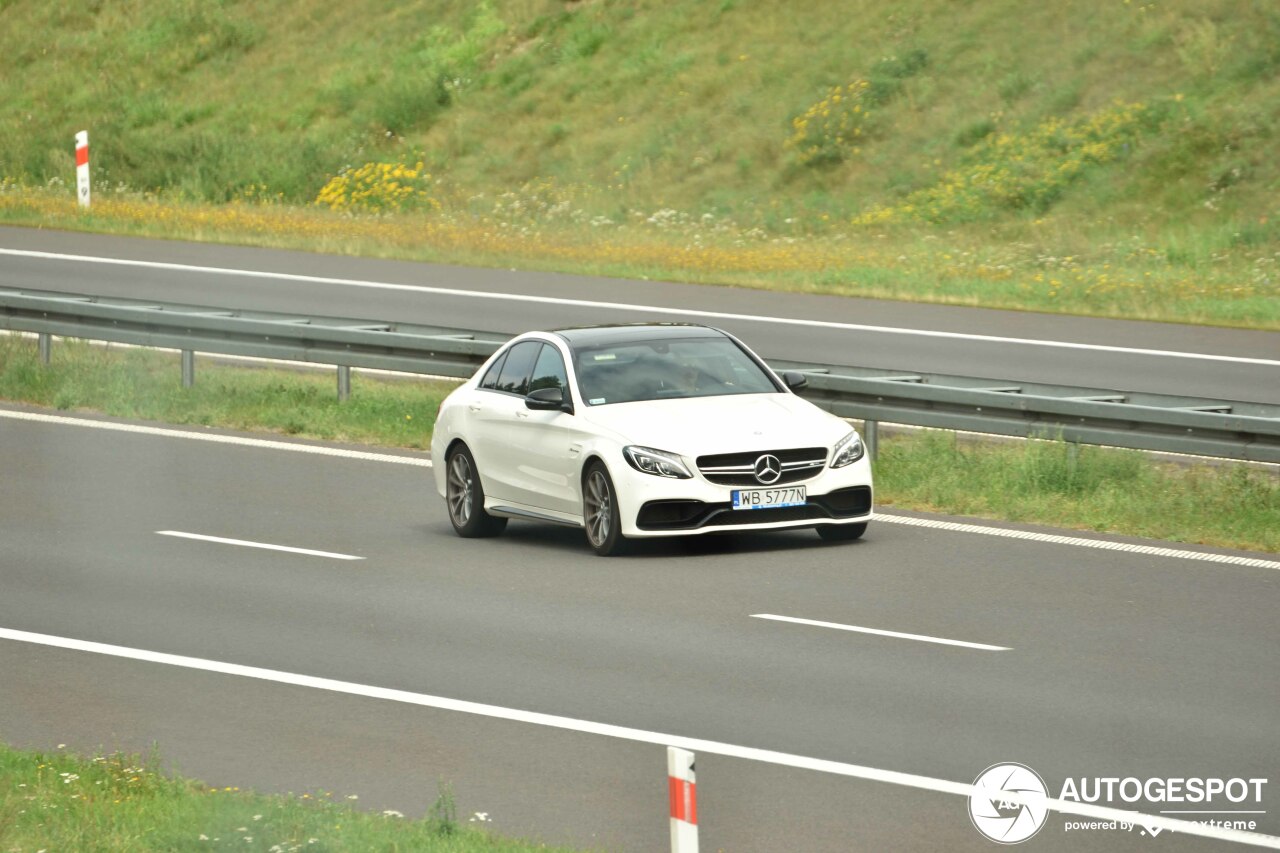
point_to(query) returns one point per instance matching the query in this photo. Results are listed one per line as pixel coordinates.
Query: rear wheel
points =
(842, 532)
(600, 512)
(464, 497)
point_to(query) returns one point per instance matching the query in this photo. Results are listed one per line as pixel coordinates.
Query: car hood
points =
(728, 424)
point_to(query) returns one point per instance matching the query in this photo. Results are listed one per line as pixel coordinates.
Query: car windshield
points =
(665, 368)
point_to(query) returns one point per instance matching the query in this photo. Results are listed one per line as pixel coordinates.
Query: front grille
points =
(691, 515)
(738, 469)
(732, 517)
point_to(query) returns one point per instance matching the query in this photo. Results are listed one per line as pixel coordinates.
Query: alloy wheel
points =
(460, 488)
(599, 508)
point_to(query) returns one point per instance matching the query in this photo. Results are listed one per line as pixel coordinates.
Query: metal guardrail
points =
(1206, 427)
(1170, 424)
(346, 343)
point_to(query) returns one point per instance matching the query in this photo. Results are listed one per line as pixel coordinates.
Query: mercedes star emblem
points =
(768, 469)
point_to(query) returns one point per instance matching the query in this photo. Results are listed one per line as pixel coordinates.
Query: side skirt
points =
(532, 515)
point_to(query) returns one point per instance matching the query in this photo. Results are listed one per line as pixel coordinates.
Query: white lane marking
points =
(625, 306)
(218, 439)
(1079, 542)
(263, 545)
(882, 633)
(857, 771)
(422, 462)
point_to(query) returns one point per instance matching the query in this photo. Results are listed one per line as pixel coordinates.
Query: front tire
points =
(464, 497)
(842, 532)
(600, 514)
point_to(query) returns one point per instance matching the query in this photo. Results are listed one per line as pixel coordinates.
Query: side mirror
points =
(795, 381)
(548, 400)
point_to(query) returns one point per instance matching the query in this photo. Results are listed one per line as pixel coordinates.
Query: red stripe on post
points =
(684, 800)
(82, 156)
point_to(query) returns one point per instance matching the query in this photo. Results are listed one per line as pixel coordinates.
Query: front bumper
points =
(657, 506)
(851, 504)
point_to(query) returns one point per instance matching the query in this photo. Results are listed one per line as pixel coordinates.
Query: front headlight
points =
(848, 450)
(659, 463)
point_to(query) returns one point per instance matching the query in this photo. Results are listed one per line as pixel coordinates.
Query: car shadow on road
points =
(571, 542)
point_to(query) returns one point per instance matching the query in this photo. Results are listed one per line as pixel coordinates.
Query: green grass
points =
(138, 383)
(121, 804)
(1091, 488)
(1003, 155)
(1042, 482)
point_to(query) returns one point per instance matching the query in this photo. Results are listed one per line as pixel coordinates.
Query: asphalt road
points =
(1119, 355)
(1118, 664)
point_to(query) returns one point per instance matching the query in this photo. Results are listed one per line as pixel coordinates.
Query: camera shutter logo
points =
(1008, 805)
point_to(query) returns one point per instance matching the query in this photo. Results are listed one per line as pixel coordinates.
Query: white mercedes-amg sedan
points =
(644, 430)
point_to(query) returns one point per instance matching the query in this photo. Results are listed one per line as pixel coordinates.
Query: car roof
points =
(622, 333)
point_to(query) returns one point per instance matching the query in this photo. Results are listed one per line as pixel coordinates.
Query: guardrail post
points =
(46, 347)
(188, 368)
(684, 800)
(344, 382)
(871, 438)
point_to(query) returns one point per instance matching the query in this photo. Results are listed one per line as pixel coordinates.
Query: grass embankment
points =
(992, 154)
(1043, 482)
(1092, 488)
(110, 803)
(139, 383)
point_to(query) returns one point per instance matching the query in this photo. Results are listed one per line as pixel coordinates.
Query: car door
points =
(544, 464)
(523, 454)
(493, 411)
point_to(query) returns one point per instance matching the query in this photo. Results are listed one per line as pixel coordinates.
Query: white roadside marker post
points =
(82, 168)
(684, 800)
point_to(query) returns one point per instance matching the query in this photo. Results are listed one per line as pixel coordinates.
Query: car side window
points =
(549, 371)
(490, 381)
(514, 377)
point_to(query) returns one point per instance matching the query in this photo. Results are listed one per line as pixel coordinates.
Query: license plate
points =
(769, 498)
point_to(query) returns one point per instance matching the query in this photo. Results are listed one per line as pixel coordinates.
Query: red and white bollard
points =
(82, 167)
(684, 800)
